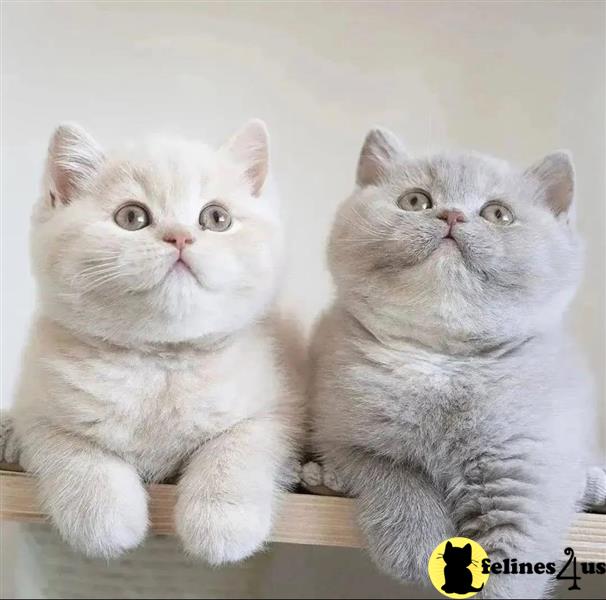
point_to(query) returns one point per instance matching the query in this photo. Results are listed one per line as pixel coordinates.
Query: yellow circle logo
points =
(455, 568)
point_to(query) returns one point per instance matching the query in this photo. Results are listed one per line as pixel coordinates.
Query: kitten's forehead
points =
(458, 179)
(166, 173)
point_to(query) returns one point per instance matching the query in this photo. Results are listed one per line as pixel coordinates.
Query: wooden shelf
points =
(302, 519)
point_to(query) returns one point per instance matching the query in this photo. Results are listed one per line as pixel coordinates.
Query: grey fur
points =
(446, 392)
(9, 446)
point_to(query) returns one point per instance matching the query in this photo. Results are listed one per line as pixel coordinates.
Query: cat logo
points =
(455, 568)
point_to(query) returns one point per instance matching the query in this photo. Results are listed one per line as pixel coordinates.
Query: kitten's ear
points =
(380, 150)
(448, 546)
(250, 147)
(555, 173)
(73, 159)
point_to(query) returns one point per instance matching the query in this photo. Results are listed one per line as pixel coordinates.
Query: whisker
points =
(98, 265)
(102, 281)
(373, 239)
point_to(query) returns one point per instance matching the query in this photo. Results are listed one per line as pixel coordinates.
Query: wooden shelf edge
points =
(301, 519)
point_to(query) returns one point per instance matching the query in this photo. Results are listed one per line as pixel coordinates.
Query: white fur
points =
(138, 371)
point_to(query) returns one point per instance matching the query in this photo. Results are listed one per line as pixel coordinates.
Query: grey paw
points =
(9, 448)
(311, 474)
(332, 480)
(321, 479)
(595, 488)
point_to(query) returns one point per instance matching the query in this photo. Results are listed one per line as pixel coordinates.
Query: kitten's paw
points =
(332, 480)
(311, 474)
(398, 540)
(9, 447)
(101, 519)
(221, 532)
(322, 479)
(291, 474)
(595, 489)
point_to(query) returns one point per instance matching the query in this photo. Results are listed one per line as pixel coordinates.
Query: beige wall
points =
(515, 79)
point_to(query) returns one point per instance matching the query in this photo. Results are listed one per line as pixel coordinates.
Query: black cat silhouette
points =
(458, 578)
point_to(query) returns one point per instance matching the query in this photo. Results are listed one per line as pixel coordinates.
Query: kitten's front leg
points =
(400, 512)
(227, 492)
(513, 509)
(504, 534)
(95, 499)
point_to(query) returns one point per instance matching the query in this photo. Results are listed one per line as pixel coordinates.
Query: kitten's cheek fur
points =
(222, 532)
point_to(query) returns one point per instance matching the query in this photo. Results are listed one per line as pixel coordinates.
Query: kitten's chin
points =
(430, 257)
(448, 247)
(182, 312)
(181, 273)
(151, 332)
(448, 242)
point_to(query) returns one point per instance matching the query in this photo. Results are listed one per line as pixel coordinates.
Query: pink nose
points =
(179, 240)
(452, 216)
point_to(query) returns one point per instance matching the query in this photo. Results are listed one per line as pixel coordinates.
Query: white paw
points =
(221, 532)
(312, 474)
(100, 522)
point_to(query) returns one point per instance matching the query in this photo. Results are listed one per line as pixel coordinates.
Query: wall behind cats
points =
(513, 79)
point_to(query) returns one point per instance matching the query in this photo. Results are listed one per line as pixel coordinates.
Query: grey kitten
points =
(446, 393)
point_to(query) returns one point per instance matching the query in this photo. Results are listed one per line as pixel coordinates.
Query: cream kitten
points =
(447, 395)
(154, 352)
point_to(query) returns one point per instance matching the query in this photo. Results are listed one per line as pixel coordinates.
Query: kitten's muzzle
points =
(451, 216)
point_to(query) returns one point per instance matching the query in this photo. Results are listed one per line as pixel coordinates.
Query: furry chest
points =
(422, 406)
(148, 413)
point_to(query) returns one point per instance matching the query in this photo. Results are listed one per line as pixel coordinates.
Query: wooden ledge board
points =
(301, 519)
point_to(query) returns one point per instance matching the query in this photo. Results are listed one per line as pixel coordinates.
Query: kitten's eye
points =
(215, 218)
(132, 217)
(415, 201)
(497, 213)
